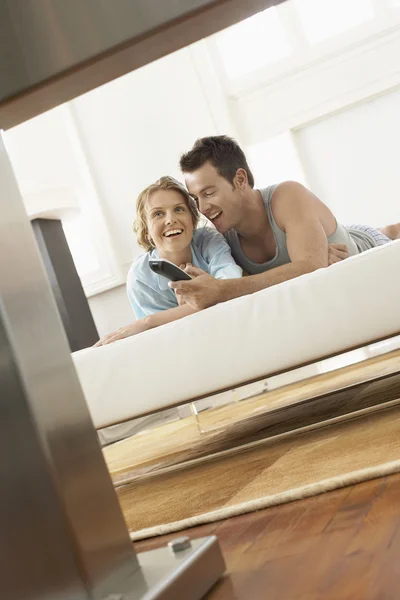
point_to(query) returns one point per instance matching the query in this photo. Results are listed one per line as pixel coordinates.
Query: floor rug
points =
(264, 473)
(295, 406)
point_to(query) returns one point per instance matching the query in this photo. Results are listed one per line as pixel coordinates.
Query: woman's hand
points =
(154, 320)
(123, 332)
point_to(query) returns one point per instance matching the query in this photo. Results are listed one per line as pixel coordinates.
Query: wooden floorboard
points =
(342, 545)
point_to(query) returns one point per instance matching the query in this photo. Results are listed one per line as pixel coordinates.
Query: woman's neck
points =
(178, 258)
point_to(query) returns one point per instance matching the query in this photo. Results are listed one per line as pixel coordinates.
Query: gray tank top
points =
(356, 241)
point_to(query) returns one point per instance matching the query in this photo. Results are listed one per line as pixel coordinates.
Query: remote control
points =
(167, 269)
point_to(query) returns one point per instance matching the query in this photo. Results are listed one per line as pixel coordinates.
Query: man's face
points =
(217, 199)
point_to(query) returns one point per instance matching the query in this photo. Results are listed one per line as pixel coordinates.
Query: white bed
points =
(326, 312)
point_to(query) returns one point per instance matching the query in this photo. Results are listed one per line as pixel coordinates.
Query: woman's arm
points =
(149, 322)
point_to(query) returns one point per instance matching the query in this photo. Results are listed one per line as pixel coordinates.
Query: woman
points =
(166, 227)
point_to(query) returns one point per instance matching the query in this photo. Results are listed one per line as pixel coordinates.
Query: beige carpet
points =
(262, 474)
(293, 406)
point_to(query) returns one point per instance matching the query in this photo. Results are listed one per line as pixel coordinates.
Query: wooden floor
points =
(343, 545)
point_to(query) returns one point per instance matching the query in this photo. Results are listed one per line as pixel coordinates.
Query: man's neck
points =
(254, 222)
(178, 258)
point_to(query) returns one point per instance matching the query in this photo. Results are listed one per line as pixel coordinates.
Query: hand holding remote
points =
(167, 269)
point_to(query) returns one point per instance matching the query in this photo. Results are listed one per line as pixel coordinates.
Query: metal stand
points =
(62, 531)
(64, 280)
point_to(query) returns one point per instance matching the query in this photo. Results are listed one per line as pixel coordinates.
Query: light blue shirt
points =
(149, 293)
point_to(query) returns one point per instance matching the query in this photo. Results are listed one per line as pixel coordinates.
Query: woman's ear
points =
(241, 180)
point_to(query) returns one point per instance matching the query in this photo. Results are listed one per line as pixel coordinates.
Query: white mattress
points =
(326, 312)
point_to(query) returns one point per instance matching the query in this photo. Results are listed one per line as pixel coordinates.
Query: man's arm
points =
(297, 213)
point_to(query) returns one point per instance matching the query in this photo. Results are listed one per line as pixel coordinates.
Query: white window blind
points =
(81, 247)
(322, 19)
(252, 44)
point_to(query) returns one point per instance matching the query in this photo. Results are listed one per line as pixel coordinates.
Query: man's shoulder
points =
(290, 196)
(267, 192)
(292, 202)
(286, 189)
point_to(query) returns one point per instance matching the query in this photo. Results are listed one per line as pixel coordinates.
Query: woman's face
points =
(169, 221)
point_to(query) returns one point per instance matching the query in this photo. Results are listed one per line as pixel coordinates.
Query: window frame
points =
(304, 55)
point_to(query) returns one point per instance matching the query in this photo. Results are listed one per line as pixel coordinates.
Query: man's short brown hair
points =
(223, 152)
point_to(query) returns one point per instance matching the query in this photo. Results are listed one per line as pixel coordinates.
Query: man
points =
(275, 234)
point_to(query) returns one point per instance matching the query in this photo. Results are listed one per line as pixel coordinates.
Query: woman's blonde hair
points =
(140, 224)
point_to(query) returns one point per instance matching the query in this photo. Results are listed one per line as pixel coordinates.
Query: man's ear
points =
(241, 180)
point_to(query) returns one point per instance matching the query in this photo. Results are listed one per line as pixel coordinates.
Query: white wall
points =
(111, 310)
(352, 160)
(52, 175)
(134, 131)
(326, 116)
(41, 154)
(107, 146)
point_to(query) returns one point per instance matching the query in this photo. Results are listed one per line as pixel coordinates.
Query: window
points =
(252, 44)
(322, 19)
(81, 247)
(275, 160)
